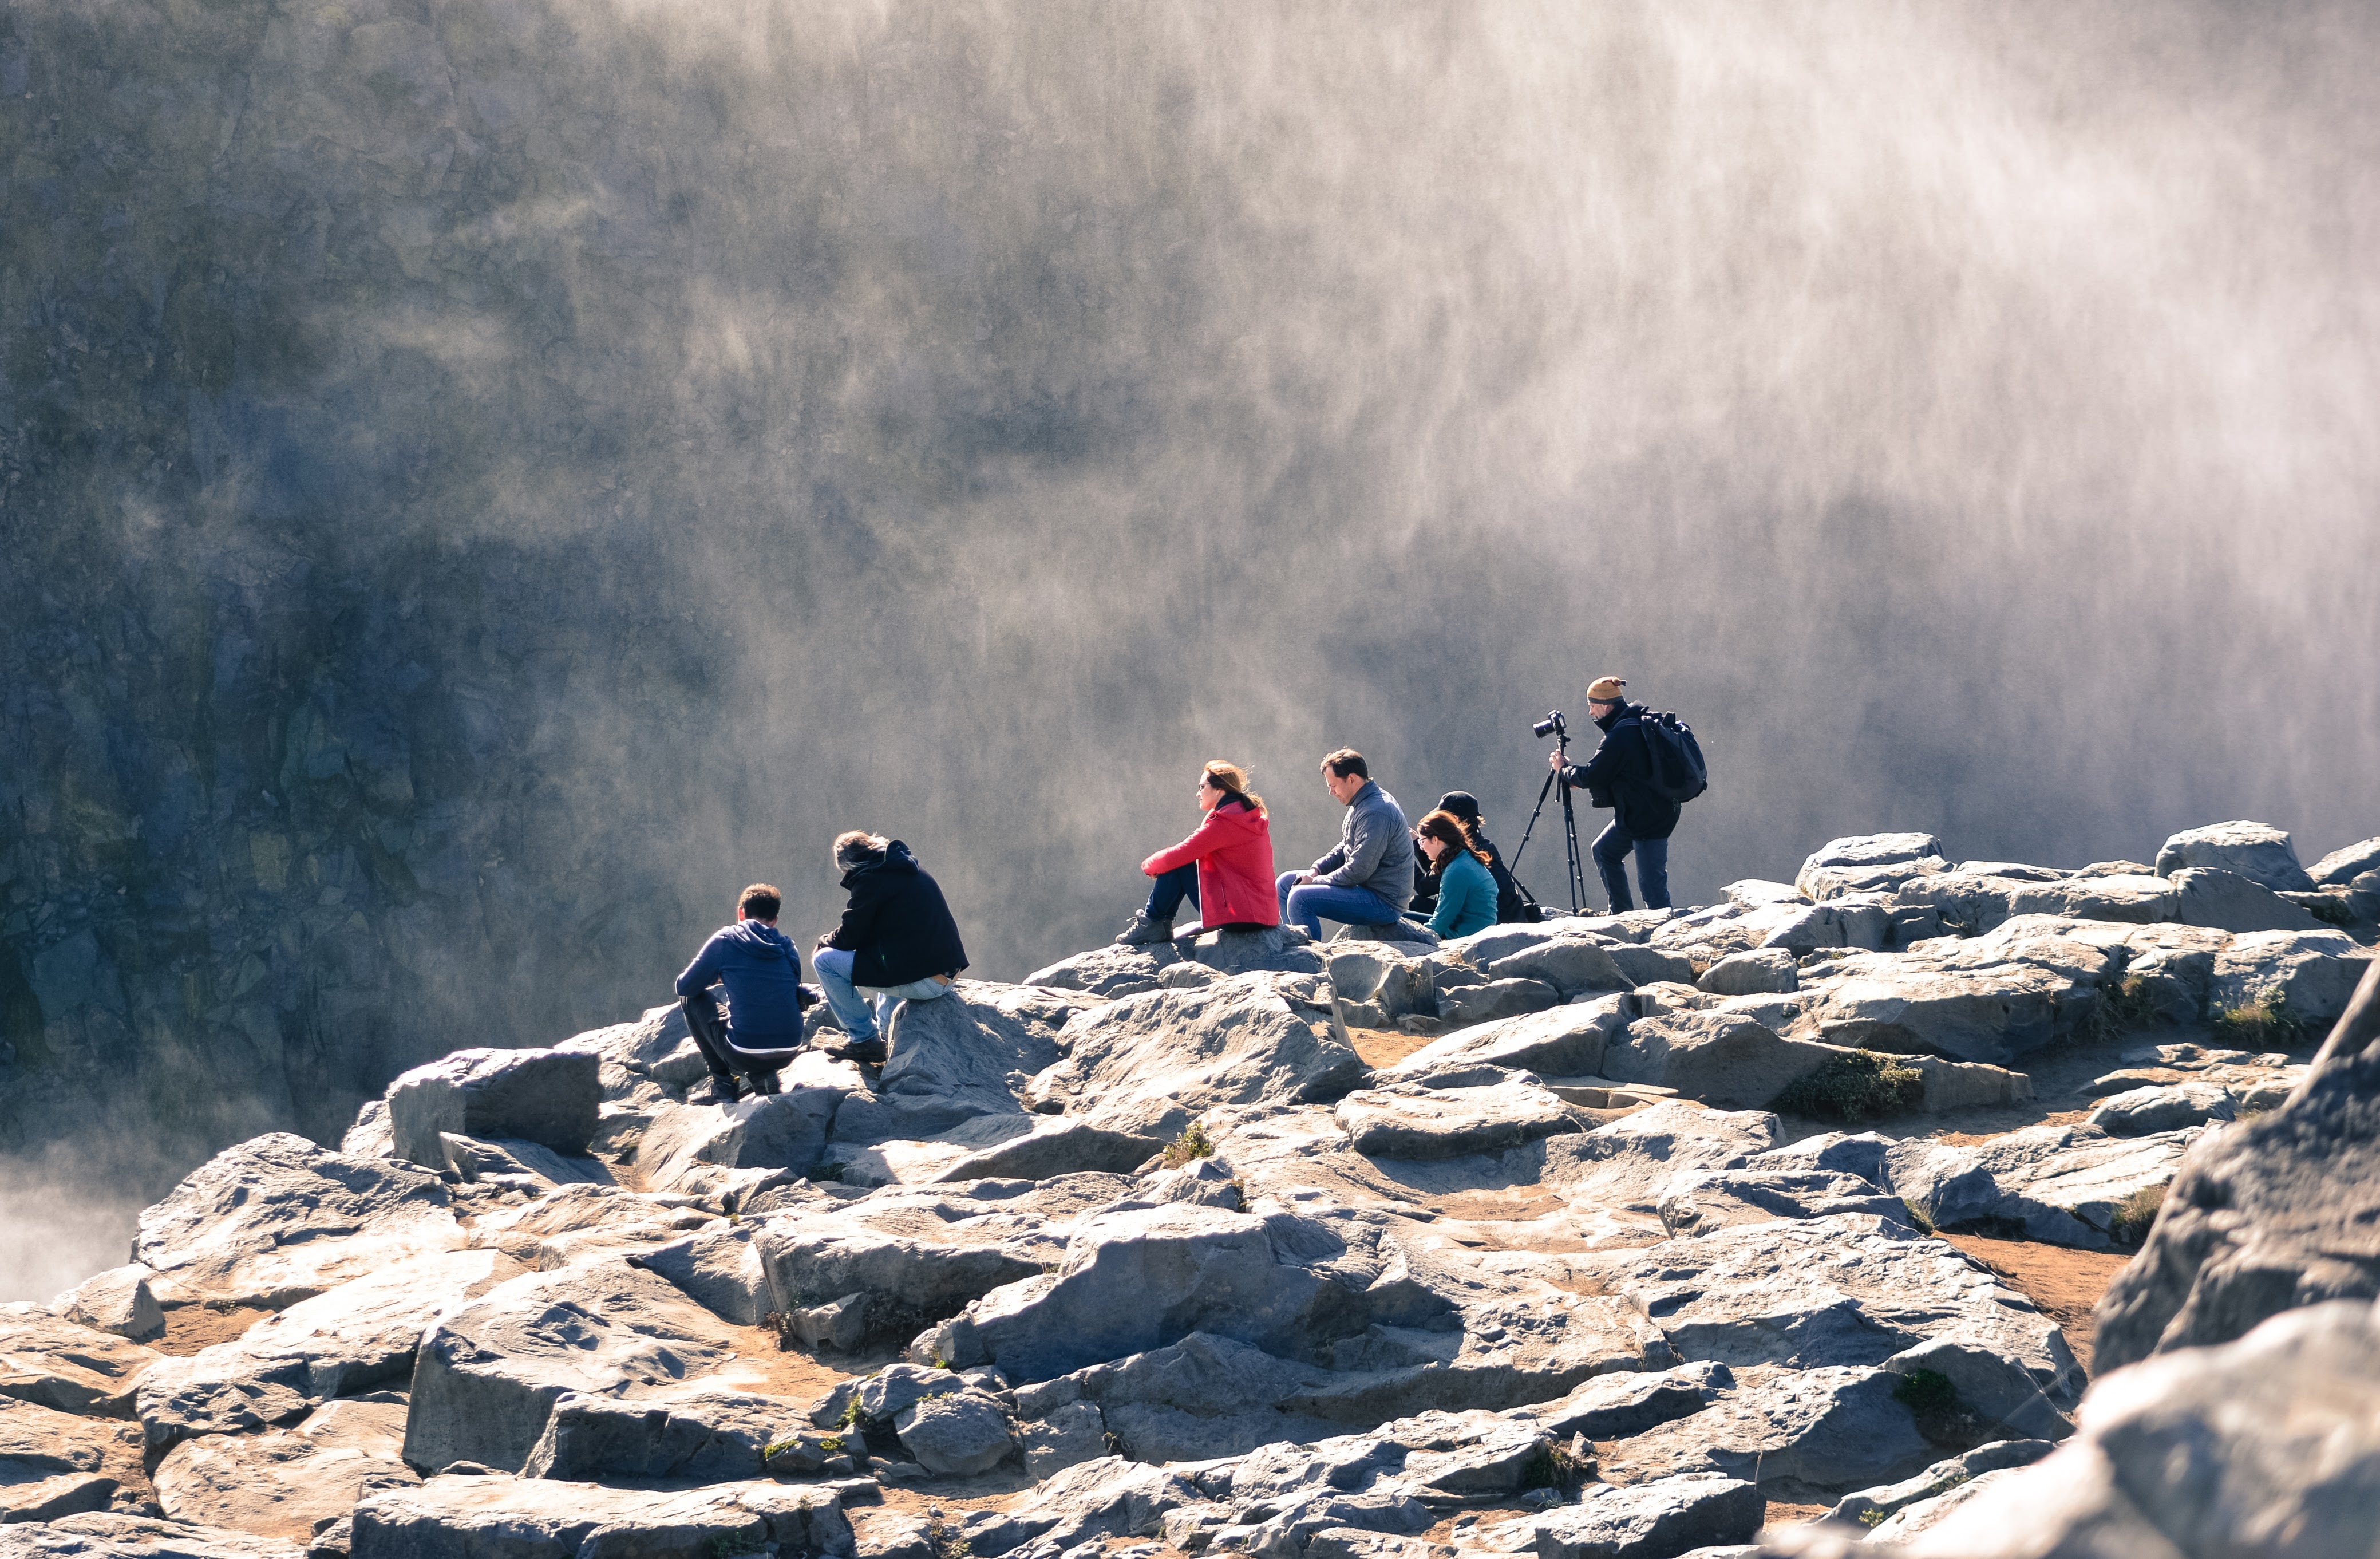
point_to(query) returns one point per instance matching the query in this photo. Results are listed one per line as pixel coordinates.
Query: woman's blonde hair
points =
(1233, 781)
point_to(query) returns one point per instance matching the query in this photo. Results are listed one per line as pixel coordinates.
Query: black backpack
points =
(1679, 773)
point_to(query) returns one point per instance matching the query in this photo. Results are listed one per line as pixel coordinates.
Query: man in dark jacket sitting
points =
(762, 972)
(1619, 777)
(897, 941)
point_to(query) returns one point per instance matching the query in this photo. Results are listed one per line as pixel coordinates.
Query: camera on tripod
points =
(1551, 725)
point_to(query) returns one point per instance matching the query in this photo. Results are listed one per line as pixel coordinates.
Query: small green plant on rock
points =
(744, 1539)
(1553, 1467)
(850, 1414)
(1192, 1144)
(1858, 1086)
(1942, 1416)
(2136, 1214)
(2265, 1023)
(944, 1536)
(2128, 1004)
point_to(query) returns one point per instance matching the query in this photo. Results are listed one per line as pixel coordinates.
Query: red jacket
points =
(1233, 849)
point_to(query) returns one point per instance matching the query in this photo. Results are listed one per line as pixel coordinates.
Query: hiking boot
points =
(765, 1082)
(719, 1090)
(869, 1050)
(1144, 932)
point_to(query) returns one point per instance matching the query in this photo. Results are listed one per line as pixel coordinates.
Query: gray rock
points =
(1996, 1388)
(719, 1269)
(277, 1219)
(1864, 1506)
(962, 1055)
(903, 1282)
(2313, 973)
(31, 1497)
(500, 1518)
(2065, 1184)
(357, 1337)
(117, 1300)
(1628, 1163)
(528, 1165)
(1204, 1396)
(1050, 1146)
(546, 1096)
(1562, 1042)
(2342, 866)
(1107, 1498)
(1650, 1520)
(107, 1535)
(1407, 1120)
(1992, 1016)
(1272, 949)
(785, 1130)
(1574, 964)
(1071, 1433)
(55, 1363)
(1108, 973)
(879, 1398)
(958, 1435)
(2144, 1112)
(1643, 966)
(2206, 1451)
(2227, 901)
(487, 1375)
(369, 1135)
(1698, 1203)
(2254, 850)
(1619, 1405)
(2271, 1214)
(1868, 861)
(287, 1483)
(1497, 998)
(1718, 1057)
(1827, 1427)
(709, 1437)
(1145, 1066)
(1746, 974)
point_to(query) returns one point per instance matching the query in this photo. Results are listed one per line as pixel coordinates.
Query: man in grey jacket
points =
(1367, 878)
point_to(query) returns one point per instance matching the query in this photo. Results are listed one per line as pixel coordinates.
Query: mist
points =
(482, 482)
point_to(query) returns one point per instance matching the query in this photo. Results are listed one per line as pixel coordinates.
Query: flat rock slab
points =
(2145, 1111)
(2065, 1184)
(500, 1518)
(1831, 1428)
(352, 1339)
(286, 1483)
(904, 1281)
(2257, 851)
(2313, 973)
(54, 1363)
(487, 1375)
(1412, 1122)
(1628, 1163)
(117, 1300)
(1992, 1016)
(275, 1220)
(1562, 1041)
(1659, 1519)
(107, 1536)
(551, 1097)
(706, 1437)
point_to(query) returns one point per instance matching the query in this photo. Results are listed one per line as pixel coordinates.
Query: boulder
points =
(1205, 1397)
(2145, 1111)
(1562, 1042)
(54, 1464)
(57, 1364)
(289, 1482)
(1627, 1163)
(368, 1136)
(2269, 1444)
(712, 1436)
(1765, 970)
(2069, 1184)
(965, 1054)
(1992, 1016)
(785, 1130)
(2254, 850)
(1827, 1427)
(2311, 973)
(2273, 1213)
(720, 1269)
(1644, 966)
(530, 1166)
(1270, 949)
(117, 1300)
(1651, 1520)
(1698, 1203)
(1106, 973)
(1618, 1405)
(487, 1375)
(902, 1283)
(1106, 1498)
(1145, 1066)
(1574, 965)
(958, 1434)
(275, 1220)
(354, 1338)
(1864, 862)
(2227, 901)
(2342, 866)
(1407, 1120)
(1864, 1507)
(109, 1535)
(1995, 1388)
(552, 1097)
(1493, 999)
(500, 1518)
(1718, 1057)
(1071, 1433)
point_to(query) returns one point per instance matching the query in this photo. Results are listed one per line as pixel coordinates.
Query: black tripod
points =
(1570, 818)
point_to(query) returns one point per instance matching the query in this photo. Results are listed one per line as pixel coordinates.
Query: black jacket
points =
(896, 927)
(1619, 777)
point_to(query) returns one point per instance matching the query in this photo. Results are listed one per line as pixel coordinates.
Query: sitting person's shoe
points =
(869, 1050)
(765, 1082)
(1144, 931)
(715, 1090)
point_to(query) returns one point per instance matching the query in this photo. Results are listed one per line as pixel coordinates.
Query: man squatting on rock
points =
(1619, 777)
(1366, 881)
(762, 972)
(897, 941)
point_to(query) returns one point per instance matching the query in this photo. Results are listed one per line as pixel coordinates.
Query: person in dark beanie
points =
(897, 941)
(762, 972)
(1620, 775)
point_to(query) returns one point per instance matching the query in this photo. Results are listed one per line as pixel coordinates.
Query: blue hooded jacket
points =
(763, 970)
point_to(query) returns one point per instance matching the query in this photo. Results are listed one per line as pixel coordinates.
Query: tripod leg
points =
(1543, 791)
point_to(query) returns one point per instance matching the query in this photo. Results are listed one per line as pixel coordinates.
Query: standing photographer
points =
(1619, 777)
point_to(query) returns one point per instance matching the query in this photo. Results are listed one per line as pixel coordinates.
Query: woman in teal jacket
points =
(1466, 894)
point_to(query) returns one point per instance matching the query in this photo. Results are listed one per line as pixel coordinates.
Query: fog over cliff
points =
(482, 480)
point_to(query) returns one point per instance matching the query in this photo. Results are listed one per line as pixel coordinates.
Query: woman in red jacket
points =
(1224, 868)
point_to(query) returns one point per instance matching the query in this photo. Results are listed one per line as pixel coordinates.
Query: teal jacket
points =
(1466, 897)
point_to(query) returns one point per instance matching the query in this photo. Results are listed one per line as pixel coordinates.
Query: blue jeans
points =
(1611, 849)
(1307, 905)
(1165, 895)
(864, 1016)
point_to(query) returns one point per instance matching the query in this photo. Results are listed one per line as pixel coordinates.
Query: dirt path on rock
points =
(2066, 1284)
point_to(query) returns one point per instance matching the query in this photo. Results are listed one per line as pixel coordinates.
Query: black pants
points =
(725, 1059)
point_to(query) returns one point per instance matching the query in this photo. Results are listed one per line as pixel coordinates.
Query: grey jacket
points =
(1375, 849)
